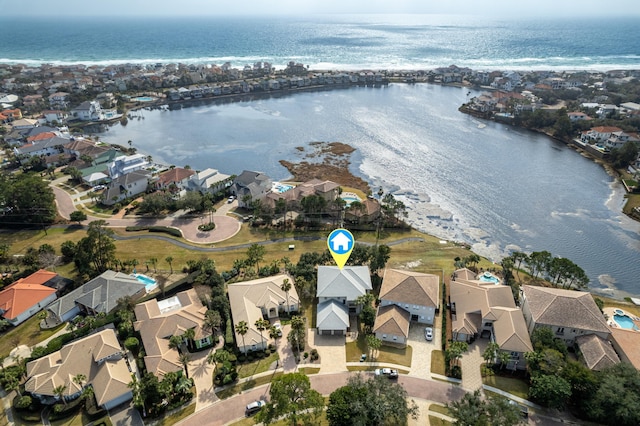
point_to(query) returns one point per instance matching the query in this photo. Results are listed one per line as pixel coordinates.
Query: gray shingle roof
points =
(350, 281)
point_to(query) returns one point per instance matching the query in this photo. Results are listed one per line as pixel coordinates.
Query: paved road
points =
(231, 409)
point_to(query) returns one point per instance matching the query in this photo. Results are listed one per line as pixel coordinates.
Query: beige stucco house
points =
(415, 292)
(258, 299)
(480, 309)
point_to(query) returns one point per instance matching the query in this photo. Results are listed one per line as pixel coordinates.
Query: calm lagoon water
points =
(493, 186)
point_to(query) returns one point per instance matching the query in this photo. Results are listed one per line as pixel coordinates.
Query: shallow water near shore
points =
(496, 187)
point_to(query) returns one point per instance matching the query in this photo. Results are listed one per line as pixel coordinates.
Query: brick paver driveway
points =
(421, 358)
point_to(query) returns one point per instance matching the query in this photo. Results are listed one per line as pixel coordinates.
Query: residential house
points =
(626, 343)
(415, 292)
(337, 291)
(578, 116)
(98, 357)
(22, 299)
(597, 353)
(126, 164)
(174, 180)
(250, 186)
(126, 186)
(158, 320)
(208, 180)
(600, 134)
(392, 324)
(87, 111)
(367, 211)
(568, 313)
(480, 309)
(55, 115)
(59, 100)
(24, 123)
(100, 295)
(258, 299)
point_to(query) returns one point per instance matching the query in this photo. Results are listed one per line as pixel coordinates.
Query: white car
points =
(278, 327)
(230, 199)
(389, 372)
(99, 187)
(428, 333)
(253, 407)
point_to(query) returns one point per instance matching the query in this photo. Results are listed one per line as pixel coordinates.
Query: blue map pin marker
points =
(340, 243)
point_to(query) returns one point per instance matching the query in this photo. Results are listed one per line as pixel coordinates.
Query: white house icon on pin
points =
(340, 243)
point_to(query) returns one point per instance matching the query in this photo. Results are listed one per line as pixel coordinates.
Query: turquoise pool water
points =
(625, 322)
(280, 188)
(489, 278)
(148, 282)
(143, 99)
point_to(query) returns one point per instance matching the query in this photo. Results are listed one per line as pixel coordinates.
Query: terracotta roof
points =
(177, 174)
(606, 129)
(97, 356)
(597, 352)
(627, 343)
(564, 308)
(25, 293)
(158, 321)
(410, 287)
(392, 319)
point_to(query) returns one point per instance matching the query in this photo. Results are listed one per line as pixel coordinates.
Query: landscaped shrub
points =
(456, 372)
(314, 355)
(132, 344)
(167, 230)
(24, 402)
(272, 347)
(233, 359)
(305, 355)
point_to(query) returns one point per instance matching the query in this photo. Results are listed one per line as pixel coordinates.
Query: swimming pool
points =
(148, 282)
(625, 322)
(143, 99)
(281, 187)
(488, 277)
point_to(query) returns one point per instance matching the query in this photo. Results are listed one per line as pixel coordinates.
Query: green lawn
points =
(437, 362)
(386, 354)
(309, 370)
(175, 417)
(256, 367)
(28, 333)
(437, 421)
(439, 409)
(514, 386)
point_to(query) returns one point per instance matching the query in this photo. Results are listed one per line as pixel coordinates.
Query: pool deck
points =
(610, 312)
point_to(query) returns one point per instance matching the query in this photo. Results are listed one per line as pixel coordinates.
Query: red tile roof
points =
(25, 293)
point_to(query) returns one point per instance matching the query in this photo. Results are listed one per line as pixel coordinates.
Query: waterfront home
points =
(126, 164)
(126, 186)
(415, 292)
(578, 116)
(337, 292)
(158, 320)
(98, 358)
(87, 111)
(626, 343)
(175, 180)
(22, 299)
(568, 313)
(55, 115)
(258, 299)
(485, 309)
(208, 180)
(367, 211)
(100, 295)
(250, 186)
(596, 353)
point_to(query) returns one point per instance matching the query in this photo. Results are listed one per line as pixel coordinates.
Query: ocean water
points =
(329, 42)
(495, 187)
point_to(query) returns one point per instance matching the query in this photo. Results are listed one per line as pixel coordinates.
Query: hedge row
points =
(167, 230)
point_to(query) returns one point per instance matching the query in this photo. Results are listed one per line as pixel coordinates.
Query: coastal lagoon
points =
(496, 187)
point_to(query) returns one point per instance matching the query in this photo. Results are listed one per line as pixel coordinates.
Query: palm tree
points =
(59, 391)
(261, 325)
(274, 334)
(218, 357)
(189, 334)
(297, 327)
(87, 393)
(242, 328)
(175, 341)
(286, 287)
(134, 263)
(154, 262)
(79, 379)
(212, 321)
(184, 360)
(169, 259)
(183, 385)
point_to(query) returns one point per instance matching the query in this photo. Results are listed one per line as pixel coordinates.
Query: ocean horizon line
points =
(516, 64)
